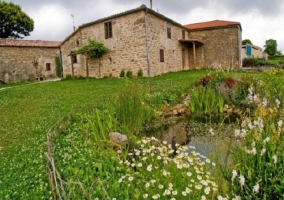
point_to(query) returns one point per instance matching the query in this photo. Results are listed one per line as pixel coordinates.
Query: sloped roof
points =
(253, 46)
(29, 43)
(212, 25)
(196, 41)
(140, 8)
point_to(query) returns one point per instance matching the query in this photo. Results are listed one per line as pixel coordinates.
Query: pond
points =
(210, 139)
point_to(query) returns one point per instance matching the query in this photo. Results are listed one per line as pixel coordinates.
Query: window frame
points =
(47, 66)
(183, 34)
(162, 55)
(108, 29)
(74, 59)
(169, 31)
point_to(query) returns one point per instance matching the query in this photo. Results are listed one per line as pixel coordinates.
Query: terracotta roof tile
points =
(28, 43)
(211, 24)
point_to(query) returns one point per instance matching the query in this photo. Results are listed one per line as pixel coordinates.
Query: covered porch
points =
(192, 44)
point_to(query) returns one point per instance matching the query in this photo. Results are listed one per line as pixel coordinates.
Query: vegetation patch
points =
(84, 162)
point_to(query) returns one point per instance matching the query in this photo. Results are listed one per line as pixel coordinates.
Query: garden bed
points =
(238, 122)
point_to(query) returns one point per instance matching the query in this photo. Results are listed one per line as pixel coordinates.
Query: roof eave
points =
(215, 27)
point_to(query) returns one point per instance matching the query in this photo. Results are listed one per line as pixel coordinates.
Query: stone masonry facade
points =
(127, 47)
(221, 49)
(132, 47)
(138, 39)
(139, 36)
(25, 61)
(175, 53)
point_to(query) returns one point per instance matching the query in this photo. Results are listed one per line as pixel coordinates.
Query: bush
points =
(130, 110)
(206, 101)
(58, 68)
(250, 62)
(68, 77)
(129, 74)
(122, 74)
(140, 73)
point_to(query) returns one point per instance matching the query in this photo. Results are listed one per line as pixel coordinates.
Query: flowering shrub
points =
(156, 174)
(204, 81)
(275, 71)
(149, 171)
(229, 82)
(257, 159)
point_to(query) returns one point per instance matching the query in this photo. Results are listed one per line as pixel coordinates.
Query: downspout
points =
(147, 42)
(60, 52)
(240, 46)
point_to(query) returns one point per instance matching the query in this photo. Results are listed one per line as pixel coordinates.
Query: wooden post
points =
(99, 67)
(194, 55)
(72, 67)
(87, 67)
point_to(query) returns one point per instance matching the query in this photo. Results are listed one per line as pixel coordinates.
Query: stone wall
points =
(127, 47)
(130, 48)
(175, 53)
(27, 63)
(221, 49)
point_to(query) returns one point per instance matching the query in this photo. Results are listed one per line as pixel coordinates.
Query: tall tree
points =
(14, 23)
(246, 41)
(270, 47)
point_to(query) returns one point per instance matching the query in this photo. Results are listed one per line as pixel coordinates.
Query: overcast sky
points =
(260, 19)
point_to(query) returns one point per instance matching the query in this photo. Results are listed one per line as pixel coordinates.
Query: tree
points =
(270, 47)
(246, 41)
(92, 50)
(279, 53)
(14, 23)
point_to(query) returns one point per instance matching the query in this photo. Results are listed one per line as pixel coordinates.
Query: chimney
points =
(151, 4)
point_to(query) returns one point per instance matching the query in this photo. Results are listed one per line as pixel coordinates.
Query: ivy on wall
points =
(93, 49)
(58, 67)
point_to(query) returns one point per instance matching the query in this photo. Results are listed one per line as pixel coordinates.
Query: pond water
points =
(209, 139)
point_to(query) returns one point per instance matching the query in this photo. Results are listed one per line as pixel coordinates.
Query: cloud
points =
(51, 21)
(260, 19)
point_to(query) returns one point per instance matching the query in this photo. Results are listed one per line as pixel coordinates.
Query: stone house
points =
(137, 39)
(144, 39)
(22, 60)
(249, 50)
(222, 44)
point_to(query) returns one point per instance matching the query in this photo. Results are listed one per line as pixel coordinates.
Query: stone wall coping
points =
(29, 43)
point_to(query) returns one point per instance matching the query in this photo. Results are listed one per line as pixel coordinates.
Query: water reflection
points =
(209, 139)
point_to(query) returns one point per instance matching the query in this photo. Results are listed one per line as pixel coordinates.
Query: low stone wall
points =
(27, 63)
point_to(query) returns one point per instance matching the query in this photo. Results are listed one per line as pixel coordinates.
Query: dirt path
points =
(51, 80)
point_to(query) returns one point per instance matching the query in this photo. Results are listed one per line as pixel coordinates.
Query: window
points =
(169, 30)
(108, 30)
(183, 34)
(162, 56)
(47, 66)
(74, 58)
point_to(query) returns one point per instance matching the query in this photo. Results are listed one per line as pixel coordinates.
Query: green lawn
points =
(28, 111)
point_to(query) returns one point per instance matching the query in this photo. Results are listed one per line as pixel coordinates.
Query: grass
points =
(29, 111)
